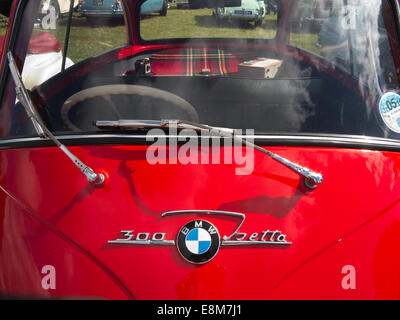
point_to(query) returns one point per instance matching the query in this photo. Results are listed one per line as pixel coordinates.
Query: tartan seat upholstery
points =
(194, 61)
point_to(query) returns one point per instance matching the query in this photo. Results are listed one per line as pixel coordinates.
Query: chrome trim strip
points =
(19, 140)
(210, 212)
(248, 242)
(144, 242)
(305, 138)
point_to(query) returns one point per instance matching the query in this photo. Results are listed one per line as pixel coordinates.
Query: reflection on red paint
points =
(204, 282)
(386, 264)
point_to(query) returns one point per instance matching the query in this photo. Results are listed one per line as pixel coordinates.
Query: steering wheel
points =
(137, 90)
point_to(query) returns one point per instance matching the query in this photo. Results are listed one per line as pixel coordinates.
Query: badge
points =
(198, 241)
(389, 109)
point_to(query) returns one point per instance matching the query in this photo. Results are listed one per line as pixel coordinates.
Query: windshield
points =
(312, 67)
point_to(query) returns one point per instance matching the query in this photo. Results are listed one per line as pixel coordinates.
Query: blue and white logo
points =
(198, 241)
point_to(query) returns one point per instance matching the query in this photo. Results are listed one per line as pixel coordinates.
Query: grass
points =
(3, 24)
(200, 23)
(306, 41)
(87, 40)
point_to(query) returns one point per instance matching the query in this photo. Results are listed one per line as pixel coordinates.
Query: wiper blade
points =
(311, 178)
(147, 124)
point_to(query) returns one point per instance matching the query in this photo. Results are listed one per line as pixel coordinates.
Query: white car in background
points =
(249, 11)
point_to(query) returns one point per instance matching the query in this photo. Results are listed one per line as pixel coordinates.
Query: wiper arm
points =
(311, 178)
(41, 128)
(24, 97)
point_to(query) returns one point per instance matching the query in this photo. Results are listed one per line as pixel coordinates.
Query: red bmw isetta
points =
(178, 157)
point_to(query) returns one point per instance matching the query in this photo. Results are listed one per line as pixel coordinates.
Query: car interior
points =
(305, 95)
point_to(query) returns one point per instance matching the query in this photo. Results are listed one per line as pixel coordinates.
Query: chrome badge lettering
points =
(142, 238)
(198, 241)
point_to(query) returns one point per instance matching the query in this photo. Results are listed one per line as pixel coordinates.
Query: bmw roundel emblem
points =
(198, 241)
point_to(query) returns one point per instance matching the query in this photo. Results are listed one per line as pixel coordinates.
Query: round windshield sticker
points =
(389, 109)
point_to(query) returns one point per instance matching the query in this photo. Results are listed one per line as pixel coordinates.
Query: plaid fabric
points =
(192, 61)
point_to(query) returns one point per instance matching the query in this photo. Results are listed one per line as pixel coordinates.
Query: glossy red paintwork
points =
(49, 215)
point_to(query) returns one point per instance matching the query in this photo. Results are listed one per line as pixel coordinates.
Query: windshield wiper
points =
(40, 127)
(311, 178)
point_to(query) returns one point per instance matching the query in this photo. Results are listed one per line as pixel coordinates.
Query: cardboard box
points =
(259, 68)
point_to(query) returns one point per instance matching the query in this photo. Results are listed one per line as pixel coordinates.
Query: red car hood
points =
(59, 212)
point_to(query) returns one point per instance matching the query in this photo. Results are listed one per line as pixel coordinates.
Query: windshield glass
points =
(279, 67)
